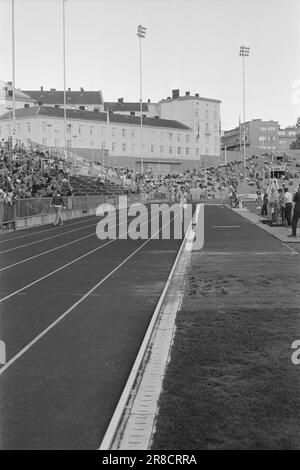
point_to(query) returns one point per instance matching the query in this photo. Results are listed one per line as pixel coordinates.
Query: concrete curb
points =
(117, 435)
(255, 219)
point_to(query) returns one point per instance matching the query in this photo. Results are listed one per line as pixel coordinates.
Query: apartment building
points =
(260, 137)
(163, 142)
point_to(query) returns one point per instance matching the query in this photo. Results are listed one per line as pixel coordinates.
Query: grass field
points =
(230, 383)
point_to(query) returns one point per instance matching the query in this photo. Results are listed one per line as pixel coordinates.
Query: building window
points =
(103, 145)
(161, 149)
(179, 150)
(114, 146)
(80, 129)
(215, 115)
(69, 128)
(82, 108)
(91, 130)
(197, 113)
(187, 138)
(18, 128)
(152, 148)
(197, 151)
(123, 132)
(170, 136)
(187, 151)
(133, 133)
(28, 126)
(102, 131)
(113, 131)
(206, 114)
(170, 149)
(26, 105)
(123, 147)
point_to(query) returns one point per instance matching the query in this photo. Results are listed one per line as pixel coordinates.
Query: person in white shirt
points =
(288, 206)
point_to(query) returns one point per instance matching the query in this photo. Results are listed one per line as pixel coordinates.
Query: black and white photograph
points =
(149, 236)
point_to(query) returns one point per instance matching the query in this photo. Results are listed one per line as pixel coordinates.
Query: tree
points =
(296, 143)
(298, 123)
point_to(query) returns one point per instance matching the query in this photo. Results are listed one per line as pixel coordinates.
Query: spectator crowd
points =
(31, 173)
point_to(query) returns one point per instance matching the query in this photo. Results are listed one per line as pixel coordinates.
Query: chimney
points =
(187, 93)
(120, 100)
(52, 89)
(175, 94)
(149, 101)
(42, 89)
(197, 95)
(9, 83)
(69, 89)
(169, 97)
(81, 89)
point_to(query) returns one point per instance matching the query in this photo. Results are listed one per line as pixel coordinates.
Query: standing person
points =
(296, 214)
(281, 206)
(58, 204)
(288, 206)
(264, 210)
(274, 202)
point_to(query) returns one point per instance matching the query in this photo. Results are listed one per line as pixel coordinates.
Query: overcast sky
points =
(192, 45)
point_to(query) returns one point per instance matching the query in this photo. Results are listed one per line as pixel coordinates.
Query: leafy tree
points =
(296, 143)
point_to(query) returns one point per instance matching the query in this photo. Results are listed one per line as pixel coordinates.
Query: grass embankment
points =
(230, 383)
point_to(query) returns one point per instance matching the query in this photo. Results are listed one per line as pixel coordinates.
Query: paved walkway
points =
(278, 232)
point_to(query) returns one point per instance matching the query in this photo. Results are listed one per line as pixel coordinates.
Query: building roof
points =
(77, 114)
(5, 87)
(81, 97)
(181, 98)
(122, 106)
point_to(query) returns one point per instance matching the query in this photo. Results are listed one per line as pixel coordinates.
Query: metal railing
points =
(23, 208)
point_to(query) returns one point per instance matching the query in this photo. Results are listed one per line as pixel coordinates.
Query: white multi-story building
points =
(163, 144)
(75, 99)
(6, 98)
(202, 115)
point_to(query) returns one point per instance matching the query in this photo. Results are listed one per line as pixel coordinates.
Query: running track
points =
(74, 311)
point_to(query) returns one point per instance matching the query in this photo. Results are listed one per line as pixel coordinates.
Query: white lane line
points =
(46, 252)
(47, 238)
(62, 267)
(56, 270)
(69, 310)
(84, 219)
(52, 249)
(226, 226)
